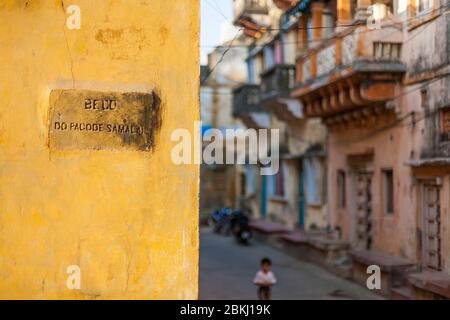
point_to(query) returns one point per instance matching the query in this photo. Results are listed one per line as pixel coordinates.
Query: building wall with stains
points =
(372, 150)
(428, 81)
(216, 94)
(127, 218)
(407, 139)
(306, 135)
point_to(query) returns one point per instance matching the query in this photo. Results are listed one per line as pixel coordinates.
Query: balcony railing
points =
(343, 50)
(277, 82)
(355, 69)
(246, 99)
(248, 7)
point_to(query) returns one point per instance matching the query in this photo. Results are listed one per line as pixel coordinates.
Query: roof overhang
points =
(432, 162)
(364, 83)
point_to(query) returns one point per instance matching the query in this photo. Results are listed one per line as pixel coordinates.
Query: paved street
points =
(227, 270)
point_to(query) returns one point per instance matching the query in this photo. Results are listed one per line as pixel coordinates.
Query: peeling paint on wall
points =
(127, 218)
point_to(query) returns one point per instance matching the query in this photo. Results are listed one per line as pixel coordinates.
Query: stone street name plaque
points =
(85, 119)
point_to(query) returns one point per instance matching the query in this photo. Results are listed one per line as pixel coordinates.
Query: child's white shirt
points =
(262, 278)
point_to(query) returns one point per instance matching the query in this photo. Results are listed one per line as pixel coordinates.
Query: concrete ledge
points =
(329, 244)
(318, 249)
(295, 237)
(393, 269)
(312, 247)
(268, 232)
(268, 227)
(430, 285)
(385, 261)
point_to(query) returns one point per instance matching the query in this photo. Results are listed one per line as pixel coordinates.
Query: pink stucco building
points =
(381, 88)
(372, 80)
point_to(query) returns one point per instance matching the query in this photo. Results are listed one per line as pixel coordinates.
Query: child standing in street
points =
(265, 279)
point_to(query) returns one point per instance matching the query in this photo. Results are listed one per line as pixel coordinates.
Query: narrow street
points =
(227, 270)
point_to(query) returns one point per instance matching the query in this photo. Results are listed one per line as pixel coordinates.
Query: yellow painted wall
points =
(129, 219)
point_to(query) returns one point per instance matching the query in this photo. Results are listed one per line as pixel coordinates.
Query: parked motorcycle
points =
(221, 220)
(239, 224)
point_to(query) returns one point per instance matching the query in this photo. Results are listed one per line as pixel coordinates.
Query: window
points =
(278, 52)
(341, 189)
(353, 6)
(275, 187)
(243, 184)
(445, 124)
(312, 169)
(309, 29)
(302, 36)
(424, 5)
(388, 191)
(257, 68)
(279, 182)
(386, 50)
(400, 7)
(289, 49)
(328, 22)
(386, 6)
(250, 180)
(269, 58)
(379, 11)
(251, 71)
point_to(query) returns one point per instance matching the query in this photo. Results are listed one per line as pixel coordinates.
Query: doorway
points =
(263, 197)
(301, 200)
(431, 225)
(363, 219)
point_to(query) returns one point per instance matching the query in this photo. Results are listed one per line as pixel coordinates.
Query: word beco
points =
(103, 104)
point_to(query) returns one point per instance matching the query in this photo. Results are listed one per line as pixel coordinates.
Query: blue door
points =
(263, 197)
(301, 201)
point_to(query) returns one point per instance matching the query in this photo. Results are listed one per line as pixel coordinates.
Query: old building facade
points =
(379, 86)
(218, 181)
(368, 109)
(295, 196)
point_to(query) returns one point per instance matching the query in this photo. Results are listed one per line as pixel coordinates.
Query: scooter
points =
(240, 227)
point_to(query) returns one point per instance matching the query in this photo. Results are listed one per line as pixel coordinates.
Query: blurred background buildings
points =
(359, 91)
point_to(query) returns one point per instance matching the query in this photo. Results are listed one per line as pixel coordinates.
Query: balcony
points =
(278, 81)
(276, 85)
(246, 99)
(355, 69)
(246, 106)
(436, 152)
(243, 8)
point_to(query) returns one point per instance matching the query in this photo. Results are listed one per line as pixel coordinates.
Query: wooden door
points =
(431, 237)
(363, 223)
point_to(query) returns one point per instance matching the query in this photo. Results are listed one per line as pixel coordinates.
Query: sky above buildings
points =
(216, 25)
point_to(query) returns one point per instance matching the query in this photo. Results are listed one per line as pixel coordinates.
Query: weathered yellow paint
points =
(127, 218)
